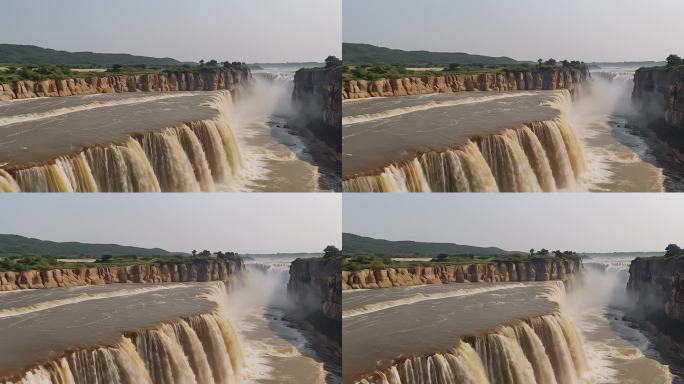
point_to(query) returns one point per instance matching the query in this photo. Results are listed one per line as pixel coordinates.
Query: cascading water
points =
(543, 156)
(543, 350)
(538, 156)
(201, 349)
(193, 156)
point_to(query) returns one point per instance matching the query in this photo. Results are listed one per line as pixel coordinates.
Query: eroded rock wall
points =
(316, 288)
(214, 270)
(661, 91)
(561, 78)
(657, 284)
(317, 95)
(542, 270)
(207, 80)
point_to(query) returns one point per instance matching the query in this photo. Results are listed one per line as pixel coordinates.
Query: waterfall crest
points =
(188, 157)
(543, 350)
(541, 156)
(201, 349)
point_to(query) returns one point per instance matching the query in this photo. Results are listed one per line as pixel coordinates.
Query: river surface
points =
(281, 351)
(379, 131)
(267, 156)
(381, 325)
(40, 325)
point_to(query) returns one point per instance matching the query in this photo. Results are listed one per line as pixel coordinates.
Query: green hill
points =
(356, 244)
(15, 245)
(353, 53)
(30, 54)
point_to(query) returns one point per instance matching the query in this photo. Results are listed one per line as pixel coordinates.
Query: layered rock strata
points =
(206, 80)
(540, 270)
(213, 270)
(560, 78)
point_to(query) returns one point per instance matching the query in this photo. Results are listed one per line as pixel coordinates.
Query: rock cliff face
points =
(214, 270)
(315, 286)
(317, 96)
(228, 79)
(661, 89)
(657, 285)
(561, 78)
(553, 269)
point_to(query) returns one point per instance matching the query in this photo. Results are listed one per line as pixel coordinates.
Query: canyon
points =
(205, 80)
(558, 78)
(542, 270)
(196, 271)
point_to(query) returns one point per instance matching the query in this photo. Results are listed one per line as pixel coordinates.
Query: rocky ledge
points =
(560, 78)
(661, 89)
(562, 269)
(316, 288)
(205, 80)
(199, 270)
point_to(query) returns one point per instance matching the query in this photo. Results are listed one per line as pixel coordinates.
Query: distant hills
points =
(353, 53)
(19, 245)
(31, 54)
(352, 243)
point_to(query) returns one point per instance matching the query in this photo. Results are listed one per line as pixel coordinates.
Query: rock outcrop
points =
(205, 80)
(657, 285)
(663, 90)
(317, 96)
(562, 269)
(316, 288)
(200, 270)
(560, 78)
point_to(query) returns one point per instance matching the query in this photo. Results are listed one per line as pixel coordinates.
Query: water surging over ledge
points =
(542, 156)
(199, 349)
(188, 157)
(544, 350)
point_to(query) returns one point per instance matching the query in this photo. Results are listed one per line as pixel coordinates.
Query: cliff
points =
(317, 98)
(559, 78)
(206, 80)
(200, 270)
(316, 288)
(663, 90)
(657, 285)
(538, 270)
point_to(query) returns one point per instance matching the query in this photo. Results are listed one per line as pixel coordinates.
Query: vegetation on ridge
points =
(41, 262)
(389, 71)
(672, 63)
(364, 260)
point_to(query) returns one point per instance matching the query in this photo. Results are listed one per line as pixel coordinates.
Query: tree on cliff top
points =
(672, 250)
(331, 251)
(332, 61)
(674, 61)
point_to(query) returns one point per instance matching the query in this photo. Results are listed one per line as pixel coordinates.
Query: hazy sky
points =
(588, 30)
(235, 30)
(595, 222)
(241, 222)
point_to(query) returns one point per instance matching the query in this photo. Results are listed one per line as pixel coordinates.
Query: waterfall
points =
(201, 349)
(542, 350)
(541, 156)
(188, 157)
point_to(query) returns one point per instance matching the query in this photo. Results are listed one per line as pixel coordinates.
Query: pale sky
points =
(587, 30)
(235, 30)
(240, 222)
(582, 222)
